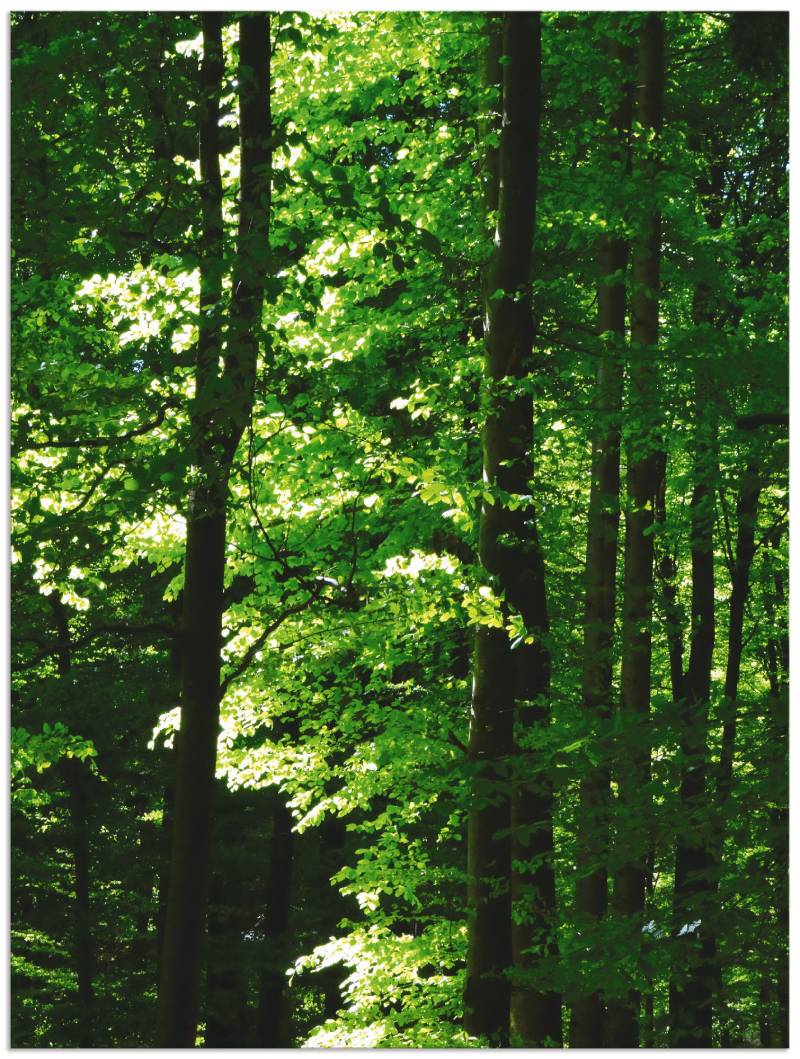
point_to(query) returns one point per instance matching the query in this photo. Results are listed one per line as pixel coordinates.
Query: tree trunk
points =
(746, 513)
(535, 1006)
(633, 758)
(226, 993)
(508, 683)
(222, 406)
(691, 978)
(487, 993)
(667, 570)
(591, 887)
(76, 780)
(272, 1029)
(778, 661)
(692, 974)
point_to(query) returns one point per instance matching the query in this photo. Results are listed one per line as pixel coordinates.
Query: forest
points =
(399, 561)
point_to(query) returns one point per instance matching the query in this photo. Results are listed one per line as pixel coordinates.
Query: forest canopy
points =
(399, 529)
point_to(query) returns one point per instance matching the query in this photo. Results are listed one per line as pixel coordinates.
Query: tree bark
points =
(511, 683)
(487, 993)
(272, 1029)
(750, 486)
(535, 1005)
(691, 979)
(633, 758)
(221, 408)
(667, 570)
(746, 513)
(778, 664)
(76, 779)
(591, 887)
(692, 975)
(226, 994)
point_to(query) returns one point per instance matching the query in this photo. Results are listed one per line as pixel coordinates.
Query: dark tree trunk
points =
(778, 662)
(633, 757)
(746, 513)
(487, 993)
(780, 851)
(535, 1005)
(226, 993)
(691, 979)
(272, 1025)
(221, 408)
(750, 487)
(511, 685)
(692, 976)
(76, 779)
(591, 887)
(667, 570)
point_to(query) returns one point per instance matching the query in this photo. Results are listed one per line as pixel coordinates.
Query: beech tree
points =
(399, 508)
(632, 761)
(222, 405)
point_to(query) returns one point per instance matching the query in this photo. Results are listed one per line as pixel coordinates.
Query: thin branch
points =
(103, 442)
(257, 644)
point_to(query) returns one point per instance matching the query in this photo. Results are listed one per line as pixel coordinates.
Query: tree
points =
(633, 755)
(257, 381)
(510, 690)
(591, 887)
(222, 405)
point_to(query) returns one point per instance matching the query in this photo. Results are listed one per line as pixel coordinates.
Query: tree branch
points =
(762, 419)
(103, 442)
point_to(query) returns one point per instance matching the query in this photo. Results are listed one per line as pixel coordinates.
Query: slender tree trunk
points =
(272, 1030)
(765, 995)
(692, 976)
(535, 1005)
(691, 979)
(778, 660)
(633, 758)
(76, 779)
(487, 993)
(667, 570)
(222, 406)
(780, 849)
(591, 887)
(746, 513)
(226, 993)
(508, 684)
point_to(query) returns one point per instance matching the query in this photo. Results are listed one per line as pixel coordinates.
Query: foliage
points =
(352, 584)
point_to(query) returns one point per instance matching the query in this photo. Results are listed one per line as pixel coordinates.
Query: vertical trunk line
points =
(272, 1030)
(692, 973)
(535, 1005)
(591, 887)
(633, 756)
(750, 486)
(219, 415)
(76, 779)
(510, 688)
(487, 992)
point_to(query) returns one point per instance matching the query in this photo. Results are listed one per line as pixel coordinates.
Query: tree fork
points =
(221, 409)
